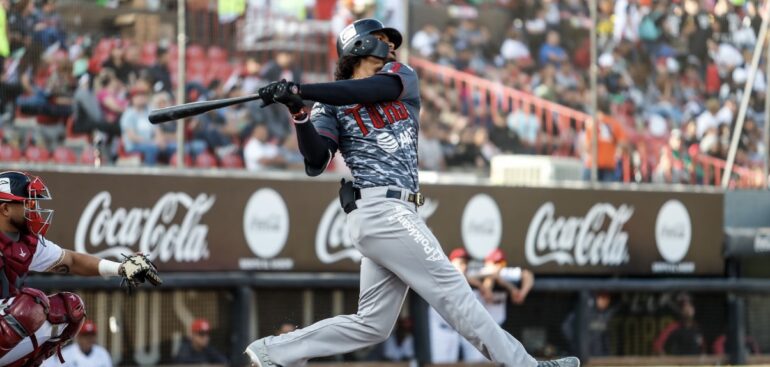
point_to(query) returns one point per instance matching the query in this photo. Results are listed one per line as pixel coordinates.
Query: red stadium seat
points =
(232, 161)
(216, 53)
(205, 160)
(195, 52)
(36, 154)
(187, 160)
(88, 156)
(64, 155)
(9, 153)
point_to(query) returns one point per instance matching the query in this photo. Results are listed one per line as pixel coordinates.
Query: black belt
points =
(418, 198)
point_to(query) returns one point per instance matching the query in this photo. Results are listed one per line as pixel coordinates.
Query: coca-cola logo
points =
(107, 232)
(333, 242)
(482, 226)
(596, 239)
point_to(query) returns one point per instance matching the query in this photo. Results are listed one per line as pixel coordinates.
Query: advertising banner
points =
(190, 223)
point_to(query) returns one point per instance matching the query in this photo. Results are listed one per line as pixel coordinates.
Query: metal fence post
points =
(736, 329)
(243, 297)
(581, 326)
(419, 311)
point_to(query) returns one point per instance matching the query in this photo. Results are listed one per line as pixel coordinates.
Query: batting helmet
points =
(357, 39)
(27, 189)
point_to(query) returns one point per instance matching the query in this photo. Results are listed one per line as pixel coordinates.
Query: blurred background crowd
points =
(671, 75)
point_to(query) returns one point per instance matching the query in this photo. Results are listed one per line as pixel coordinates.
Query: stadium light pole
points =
(745, 99)
(594, 97)
(181, 41)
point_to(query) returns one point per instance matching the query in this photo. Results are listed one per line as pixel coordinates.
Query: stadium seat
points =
(125, 158)
(187, 160)
(205, 160)
(88, 156)
(36, 154)
(216, 53)
(72, 138)
(232, 161)
(195, 52)
(64, 155)
(9, 153)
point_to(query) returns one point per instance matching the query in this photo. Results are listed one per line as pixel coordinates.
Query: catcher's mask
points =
(27, 189)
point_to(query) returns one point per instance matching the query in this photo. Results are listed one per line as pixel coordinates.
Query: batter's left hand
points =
(287, 93)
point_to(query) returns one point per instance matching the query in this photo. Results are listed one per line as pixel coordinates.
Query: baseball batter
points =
(370, 114)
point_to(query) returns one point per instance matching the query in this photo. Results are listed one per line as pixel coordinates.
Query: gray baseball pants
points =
(399, 252)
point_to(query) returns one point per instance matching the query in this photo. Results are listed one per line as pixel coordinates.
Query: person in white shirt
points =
(259, 153)
(707, 120)
(84, 352)
(499, 283)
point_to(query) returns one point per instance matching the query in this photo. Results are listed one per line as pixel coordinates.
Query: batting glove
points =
(287, 93)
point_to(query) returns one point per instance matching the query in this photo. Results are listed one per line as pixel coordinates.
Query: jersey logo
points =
(387, 142)
(22, 253)
(392, 111)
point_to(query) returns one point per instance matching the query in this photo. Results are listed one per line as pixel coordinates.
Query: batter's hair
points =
(345, 67)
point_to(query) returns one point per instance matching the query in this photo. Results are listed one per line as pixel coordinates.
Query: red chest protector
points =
(15, 261)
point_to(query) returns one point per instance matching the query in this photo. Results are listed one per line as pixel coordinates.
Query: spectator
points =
(707, 120)
(259, 153)
(515, 50)
(498, 284)
(281, 67)
(84, 352)
(48, 29)
(552, 52)
(159, 73)
(110, 96)
(682, 337)
(526, 127)
(429, 147)
(138, 134)
(196, 349)
(598, 320)
(400, 345)
(426, 40)
(285, 327)
(611, 137)
(124, 70)
(87, 113)
(166, 133)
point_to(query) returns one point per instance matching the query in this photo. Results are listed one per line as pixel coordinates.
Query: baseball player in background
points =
(370, 114)
(84, 352)
(34, 326)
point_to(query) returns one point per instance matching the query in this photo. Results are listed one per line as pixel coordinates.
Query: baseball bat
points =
(195, 108)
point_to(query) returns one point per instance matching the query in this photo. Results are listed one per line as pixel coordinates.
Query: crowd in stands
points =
(668, 70)
(672, 72)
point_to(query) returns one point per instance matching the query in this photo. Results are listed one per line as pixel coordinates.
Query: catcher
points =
(34, 326)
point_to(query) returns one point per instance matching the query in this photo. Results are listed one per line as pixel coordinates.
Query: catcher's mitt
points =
(136, 269)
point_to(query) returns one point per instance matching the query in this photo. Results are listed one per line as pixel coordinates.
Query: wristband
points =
(109, 268)
(300, 117)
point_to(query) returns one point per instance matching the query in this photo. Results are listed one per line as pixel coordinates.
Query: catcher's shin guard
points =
(20, 317)
(67, 310)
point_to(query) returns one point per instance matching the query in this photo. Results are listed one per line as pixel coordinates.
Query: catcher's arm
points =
(134, 269)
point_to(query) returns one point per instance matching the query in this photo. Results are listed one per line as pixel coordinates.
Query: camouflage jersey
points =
(378, 141)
